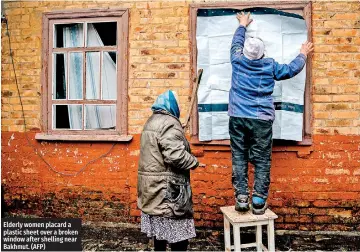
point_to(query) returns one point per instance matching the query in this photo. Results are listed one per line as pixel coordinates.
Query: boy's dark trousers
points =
(250, 141)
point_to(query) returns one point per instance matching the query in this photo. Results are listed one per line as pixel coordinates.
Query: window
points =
(302, 9)
(85, 75)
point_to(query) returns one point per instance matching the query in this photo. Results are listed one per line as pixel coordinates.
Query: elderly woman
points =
(164, 192)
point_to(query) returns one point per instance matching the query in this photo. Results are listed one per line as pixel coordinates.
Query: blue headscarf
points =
(167, 101)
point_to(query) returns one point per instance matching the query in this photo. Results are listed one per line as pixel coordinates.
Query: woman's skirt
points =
(171, 230)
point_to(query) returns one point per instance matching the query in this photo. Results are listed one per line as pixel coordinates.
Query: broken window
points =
(85, 73)
(283, 28)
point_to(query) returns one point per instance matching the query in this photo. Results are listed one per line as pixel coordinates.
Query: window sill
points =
(302, 148)
(84, 138)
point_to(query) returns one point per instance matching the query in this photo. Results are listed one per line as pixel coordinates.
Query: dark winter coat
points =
(165, 163)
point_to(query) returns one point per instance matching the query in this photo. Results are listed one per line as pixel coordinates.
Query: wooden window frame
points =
(299, 7)
(121, 16)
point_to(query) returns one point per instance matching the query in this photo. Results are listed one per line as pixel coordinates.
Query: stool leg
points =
(258, 238)
(227, 234)
(237, 241)
(271, 235)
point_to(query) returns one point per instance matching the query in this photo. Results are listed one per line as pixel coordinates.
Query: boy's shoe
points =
(259, 205)
(242, 203)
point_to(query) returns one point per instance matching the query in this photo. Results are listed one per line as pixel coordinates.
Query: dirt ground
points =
(109, 236)
(129, 238)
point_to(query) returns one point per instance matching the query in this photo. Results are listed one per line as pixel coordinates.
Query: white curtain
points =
(72, 35)
(96, 116)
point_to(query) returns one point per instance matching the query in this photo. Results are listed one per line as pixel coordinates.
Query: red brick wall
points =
(319, 191)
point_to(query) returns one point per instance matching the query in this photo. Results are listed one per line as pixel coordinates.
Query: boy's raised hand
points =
(244, 19)
(307, 48)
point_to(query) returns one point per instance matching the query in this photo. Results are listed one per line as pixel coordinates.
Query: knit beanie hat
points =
(254, 48)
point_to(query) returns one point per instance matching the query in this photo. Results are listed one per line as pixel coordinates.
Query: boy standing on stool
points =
(252, 113)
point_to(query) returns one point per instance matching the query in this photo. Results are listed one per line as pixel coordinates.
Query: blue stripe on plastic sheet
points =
(278, 106)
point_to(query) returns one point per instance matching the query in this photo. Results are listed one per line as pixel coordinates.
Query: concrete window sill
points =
(84, 138)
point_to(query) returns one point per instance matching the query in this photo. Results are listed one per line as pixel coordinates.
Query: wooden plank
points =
(83, 86)
(271, 235)
(93, 137)
(84, 77)
(85, 49)
(80, 20)
(251, 217)
(44, 72)
(253, 223)
(270, 214)
(227, 234)
(258, 238)
(193, 97)
(122, 120)
(67, 102)
(86, 132)
(244, 218)
(237, 240)
(258, 217)
(308, 84)
(248, 245)
(67, 74)
(49, 83)
(267, 213)
(85, 13)
(193, 60)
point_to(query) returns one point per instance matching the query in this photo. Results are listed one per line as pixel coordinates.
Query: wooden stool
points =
(248, 219)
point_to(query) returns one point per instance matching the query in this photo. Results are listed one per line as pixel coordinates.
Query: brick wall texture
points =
(319, 190)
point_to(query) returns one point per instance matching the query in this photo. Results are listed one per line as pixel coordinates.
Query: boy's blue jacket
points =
(253, 82)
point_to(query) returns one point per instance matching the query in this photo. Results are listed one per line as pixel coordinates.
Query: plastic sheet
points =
(283, 35)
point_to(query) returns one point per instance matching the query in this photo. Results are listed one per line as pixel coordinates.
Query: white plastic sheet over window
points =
(283, 34)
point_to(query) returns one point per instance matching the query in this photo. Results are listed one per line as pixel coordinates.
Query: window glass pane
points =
(76, 75)
(100, 117)
(59, 76)
(101, 34)
(68, 35)
(108, 76)
(67, 117)
(93, 75)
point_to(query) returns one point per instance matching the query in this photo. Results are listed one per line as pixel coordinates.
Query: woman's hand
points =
(244, 19)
